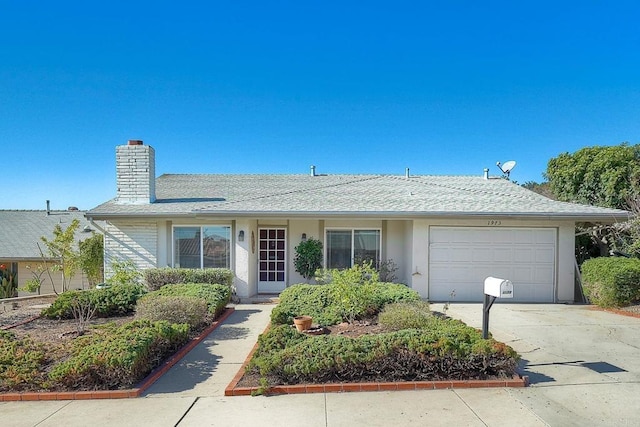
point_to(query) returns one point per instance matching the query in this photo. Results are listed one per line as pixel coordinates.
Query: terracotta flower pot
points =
(302, 322)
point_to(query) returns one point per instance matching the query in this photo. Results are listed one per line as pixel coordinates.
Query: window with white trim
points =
(346, 247)
(202, 246)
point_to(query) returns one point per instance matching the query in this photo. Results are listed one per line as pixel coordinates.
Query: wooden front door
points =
(272, 260)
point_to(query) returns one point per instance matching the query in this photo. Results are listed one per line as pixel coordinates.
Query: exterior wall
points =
(566, 263)
(394, 248)
(243, 259)
(406, 242)
(565, 271)
(420, 257)
(131, 240)
(78, 281)
(296, 228)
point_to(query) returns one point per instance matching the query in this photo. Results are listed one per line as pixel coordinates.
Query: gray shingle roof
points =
(20, 231)
(365, 195)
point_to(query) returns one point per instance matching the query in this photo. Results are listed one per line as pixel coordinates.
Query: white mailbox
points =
(499, 288)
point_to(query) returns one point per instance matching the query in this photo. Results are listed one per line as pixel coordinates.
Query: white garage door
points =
(460, 258)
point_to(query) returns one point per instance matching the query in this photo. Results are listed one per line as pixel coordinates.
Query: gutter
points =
(608, 218)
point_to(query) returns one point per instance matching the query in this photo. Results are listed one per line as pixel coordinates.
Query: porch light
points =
(241, 236)
(304, 237)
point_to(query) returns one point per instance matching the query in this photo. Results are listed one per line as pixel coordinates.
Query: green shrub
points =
(118, 356)
(406, 315)
(20, 362)
(333, 303)
(611, 281)
(449, 349)
(277, 338)
(216, 296)
(114, 301)
(311, 300)
(124, 272)
(155, 278)
(173, 309)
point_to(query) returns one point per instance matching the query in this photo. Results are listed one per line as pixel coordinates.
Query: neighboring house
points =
(445, 233)
(20, 234)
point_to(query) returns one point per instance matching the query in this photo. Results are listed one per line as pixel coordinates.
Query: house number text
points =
(494, 222)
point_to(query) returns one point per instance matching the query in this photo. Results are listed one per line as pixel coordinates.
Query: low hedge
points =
(611, 281)
(118, 356)
(216, 296)
(332, 303)
(116, 300)
(155, 278)
(447, 350)
(174, 309)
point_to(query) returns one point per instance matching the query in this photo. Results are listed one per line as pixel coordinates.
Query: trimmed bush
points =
(406, 315)
(117, 300)
(118, 357)
(173, 309)
(155, 278)
(611, 281)
(449, 349)
(216, 296)
(333, 303)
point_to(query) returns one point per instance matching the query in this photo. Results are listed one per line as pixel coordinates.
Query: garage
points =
(460, 258)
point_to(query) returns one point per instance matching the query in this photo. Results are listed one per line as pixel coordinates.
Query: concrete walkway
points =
(583, 364)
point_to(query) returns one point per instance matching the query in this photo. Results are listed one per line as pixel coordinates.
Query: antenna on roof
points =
(506, 168)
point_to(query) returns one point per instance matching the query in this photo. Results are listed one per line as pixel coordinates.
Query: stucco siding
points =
(395, 249)
(78, 281)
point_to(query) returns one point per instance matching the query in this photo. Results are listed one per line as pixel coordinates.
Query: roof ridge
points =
(302, 190)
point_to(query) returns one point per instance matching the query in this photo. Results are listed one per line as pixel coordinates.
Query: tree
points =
(62, 249)
(92, 258)
(607, 176)
(308, 257)
(540, 188)
(599, 175)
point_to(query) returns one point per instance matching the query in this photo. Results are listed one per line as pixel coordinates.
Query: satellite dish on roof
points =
(507, 167)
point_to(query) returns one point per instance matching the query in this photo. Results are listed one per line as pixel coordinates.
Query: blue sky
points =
(441, 87)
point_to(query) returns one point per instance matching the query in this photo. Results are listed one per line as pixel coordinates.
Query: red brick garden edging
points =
(120, 394)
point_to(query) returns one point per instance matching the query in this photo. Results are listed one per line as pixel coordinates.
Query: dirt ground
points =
(42, 329)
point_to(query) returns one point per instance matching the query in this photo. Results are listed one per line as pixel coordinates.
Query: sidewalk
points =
(564, 393)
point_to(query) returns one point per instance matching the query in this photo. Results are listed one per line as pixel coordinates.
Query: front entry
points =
(272, 260)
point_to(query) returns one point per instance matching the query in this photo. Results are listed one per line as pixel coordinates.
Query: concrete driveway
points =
(583, 364)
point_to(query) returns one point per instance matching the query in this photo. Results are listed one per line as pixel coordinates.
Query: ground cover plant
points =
(398, 338)
(114, 351)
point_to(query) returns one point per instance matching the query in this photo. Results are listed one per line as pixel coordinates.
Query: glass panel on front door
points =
(272, 259)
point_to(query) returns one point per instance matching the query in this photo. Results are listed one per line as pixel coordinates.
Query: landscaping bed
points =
(102, 339)
(368, 333)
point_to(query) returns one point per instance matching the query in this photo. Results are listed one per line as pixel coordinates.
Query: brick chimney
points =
(135, 173)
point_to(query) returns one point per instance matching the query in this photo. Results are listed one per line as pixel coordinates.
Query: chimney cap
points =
(135, 142)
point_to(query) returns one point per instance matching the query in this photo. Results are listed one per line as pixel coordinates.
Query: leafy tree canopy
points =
(601, 175)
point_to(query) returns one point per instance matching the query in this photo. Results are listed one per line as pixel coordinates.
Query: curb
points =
(233, 390)
(127, 393)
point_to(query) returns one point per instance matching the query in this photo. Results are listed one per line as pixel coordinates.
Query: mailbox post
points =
(493, 288)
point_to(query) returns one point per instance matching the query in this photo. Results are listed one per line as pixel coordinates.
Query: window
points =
(202, 247)
(348, 247)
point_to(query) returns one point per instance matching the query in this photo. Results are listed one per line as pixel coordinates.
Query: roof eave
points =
(613, 217)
